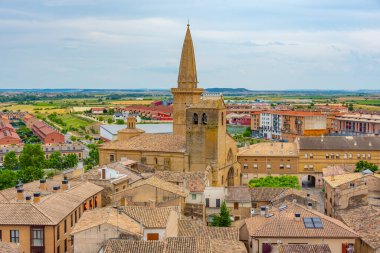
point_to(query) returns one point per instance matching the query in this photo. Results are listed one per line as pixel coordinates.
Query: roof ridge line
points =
(43, 213)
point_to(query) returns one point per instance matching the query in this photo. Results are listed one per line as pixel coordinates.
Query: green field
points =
(75, 121)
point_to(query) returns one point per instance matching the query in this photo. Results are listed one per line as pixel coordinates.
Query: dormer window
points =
(195, 119)
(204, 119)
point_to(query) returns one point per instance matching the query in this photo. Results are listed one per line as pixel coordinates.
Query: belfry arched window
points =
(195, 118)
(204, 119)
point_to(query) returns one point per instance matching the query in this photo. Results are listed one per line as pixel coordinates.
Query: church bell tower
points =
(187, 93)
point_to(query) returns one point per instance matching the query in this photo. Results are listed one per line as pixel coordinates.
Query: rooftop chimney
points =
(297, 216)
(264, 210)
(152, 204)
(36, 197)
(43, 184)
(20, 194)
(309, 205)
(28, 199)
(56, 188)
(65, 185)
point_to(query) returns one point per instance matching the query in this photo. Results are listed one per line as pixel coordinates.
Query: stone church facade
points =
(199, 141)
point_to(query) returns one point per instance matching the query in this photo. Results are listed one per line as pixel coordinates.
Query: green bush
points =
(283, 181)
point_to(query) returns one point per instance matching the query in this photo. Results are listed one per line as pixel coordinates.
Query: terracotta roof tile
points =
(227, 246)
(339, 143)
(337, 180)
(365, 221)
(265, 193)
(107, 215)
(161, 184)
(128, 246)
(187, 227)
(283, 225)
(150, 142)
(238, 194)
(23, 214)
(150, 217)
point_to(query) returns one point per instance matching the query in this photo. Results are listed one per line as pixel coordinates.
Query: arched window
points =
(204, 119)
(195, 118)
(222, 118)
(230, 156)
(155, 160)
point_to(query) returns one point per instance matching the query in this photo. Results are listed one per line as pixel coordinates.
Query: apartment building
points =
(8, 135)
(357, 124)
(316, 153)
(39, 215)
(287, 125)
(268, 158)
(64, 149)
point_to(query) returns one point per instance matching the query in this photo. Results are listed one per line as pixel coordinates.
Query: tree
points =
(73, 138)
(55, 161)
(120, 122)
(70, 161)
(8, 179)
(363, 165)
(223, 219)
(247, 132)
(351, 107)
(30, 173)
(110, 121)
(101, 118)
(11, 161)
(32, 155)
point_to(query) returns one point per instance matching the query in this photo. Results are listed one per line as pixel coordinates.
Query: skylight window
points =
(312, 222)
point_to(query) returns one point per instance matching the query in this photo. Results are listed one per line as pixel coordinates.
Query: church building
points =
(199, 140)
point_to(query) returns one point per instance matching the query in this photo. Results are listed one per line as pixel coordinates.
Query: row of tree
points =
(30, 165)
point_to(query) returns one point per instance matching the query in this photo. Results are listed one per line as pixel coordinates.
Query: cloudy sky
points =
(256, 44)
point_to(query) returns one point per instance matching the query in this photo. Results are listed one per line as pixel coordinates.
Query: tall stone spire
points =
(187, 76)
(187, 93)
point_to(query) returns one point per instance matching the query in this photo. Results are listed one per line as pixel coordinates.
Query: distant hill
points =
(229, 90)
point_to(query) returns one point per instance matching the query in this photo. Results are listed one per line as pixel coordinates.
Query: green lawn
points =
(75, 121)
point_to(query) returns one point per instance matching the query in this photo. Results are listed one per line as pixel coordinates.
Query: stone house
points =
(295, 224)
(98, 225)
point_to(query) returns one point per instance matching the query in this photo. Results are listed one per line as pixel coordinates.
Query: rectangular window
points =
(58, 233)
(288, 166)
(311, 155)
(58, 249)
(65, 226)
(15, 236)
(37, 237)
(327, 156)
(207, 202)
(245, 166)
(65, 245)
(193, 196)
(369, 156)
(112, 158)
(305, 155)
(71, 220)
(350, 155)
(345, 156)
(236, 205)
(1, 235)
(217, 202)
(255, 165)
(166, 163)
(281, 166)
(75, 216)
